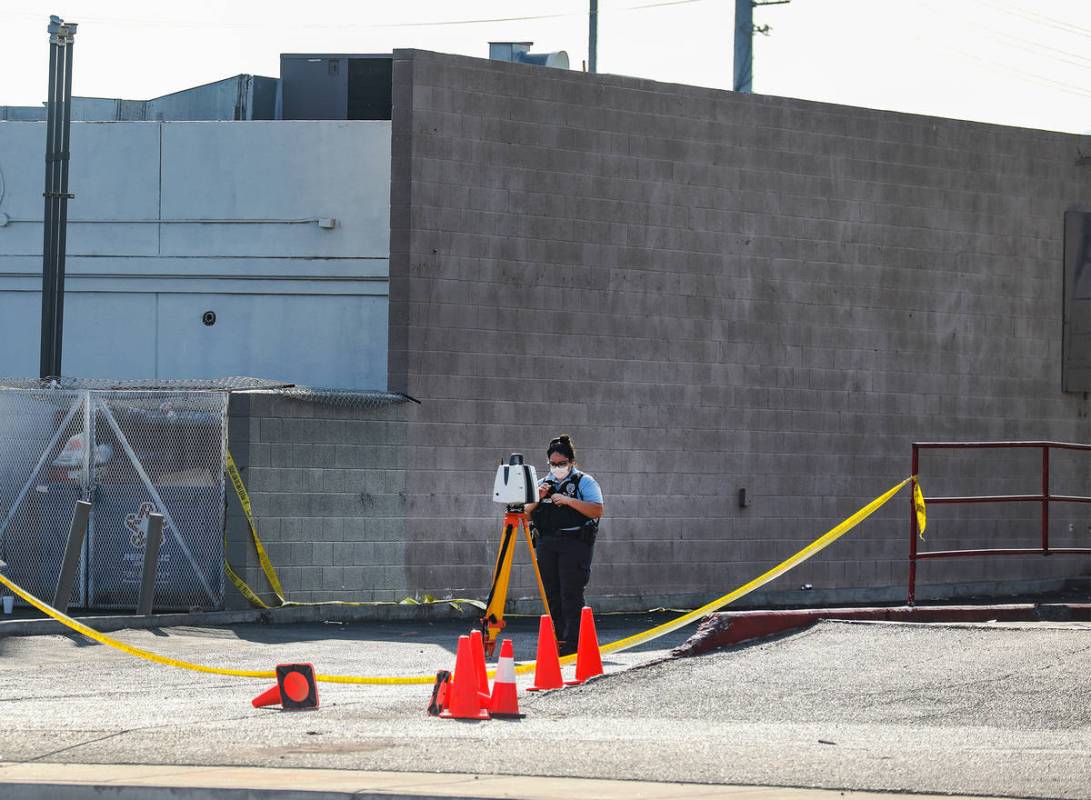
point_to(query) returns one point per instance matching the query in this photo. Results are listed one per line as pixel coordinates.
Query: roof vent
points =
(519, 53)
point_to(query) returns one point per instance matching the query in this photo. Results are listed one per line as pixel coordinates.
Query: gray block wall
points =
(327, 485)
(713, 291)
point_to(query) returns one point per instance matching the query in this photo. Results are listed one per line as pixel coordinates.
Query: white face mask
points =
(559, 472)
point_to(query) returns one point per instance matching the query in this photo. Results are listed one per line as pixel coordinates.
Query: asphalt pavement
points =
(1001, 710)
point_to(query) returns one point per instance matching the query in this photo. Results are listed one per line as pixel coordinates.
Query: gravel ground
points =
(995, 709)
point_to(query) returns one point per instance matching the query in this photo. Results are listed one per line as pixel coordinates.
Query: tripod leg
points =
(493, 620)
(534, 563)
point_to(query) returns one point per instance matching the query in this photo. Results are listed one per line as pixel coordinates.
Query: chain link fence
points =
(151, 451)
(340, 398)
(39, 450)
(230, 384)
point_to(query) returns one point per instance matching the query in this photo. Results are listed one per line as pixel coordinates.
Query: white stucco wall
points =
(293, 301)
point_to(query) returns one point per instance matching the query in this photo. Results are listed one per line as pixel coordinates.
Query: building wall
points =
(327, 486)
(714, 291)
(162, 229)
(240, 97)
(84, 109)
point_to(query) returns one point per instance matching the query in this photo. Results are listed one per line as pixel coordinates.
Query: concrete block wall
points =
(713, 291)
(327, 485)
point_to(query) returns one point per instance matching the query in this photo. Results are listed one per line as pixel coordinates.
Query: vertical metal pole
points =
(58, 126)
(911, 595)
(48, 218)
(87, 491)
(62, 207)
(72, 552)
(88, 455)
(151, 562)
(1045, 500)
(744, 46)
(593, 37)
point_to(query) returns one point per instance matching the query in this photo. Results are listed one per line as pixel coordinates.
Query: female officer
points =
(566, 518)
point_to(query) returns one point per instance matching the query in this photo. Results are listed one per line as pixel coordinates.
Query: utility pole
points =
(593, 37)
(744, 40)
(58, 125)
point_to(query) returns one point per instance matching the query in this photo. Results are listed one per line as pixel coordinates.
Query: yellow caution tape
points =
(139, 652)
(263, 557)
(918, 507)
(274, 579)
(814, 547)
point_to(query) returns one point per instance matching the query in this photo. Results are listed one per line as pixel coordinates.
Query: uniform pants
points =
(565, 564)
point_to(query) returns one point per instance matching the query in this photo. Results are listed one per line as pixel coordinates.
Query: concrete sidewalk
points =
(129, 782)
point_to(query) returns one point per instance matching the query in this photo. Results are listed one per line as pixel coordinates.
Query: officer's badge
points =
(570, 490)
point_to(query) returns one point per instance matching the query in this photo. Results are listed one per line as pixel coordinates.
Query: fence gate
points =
(150, 452)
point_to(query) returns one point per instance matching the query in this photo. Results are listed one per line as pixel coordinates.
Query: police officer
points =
(566, 519)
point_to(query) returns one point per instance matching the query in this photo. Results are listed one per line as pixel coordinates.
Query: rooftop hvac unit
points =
(519, 53)
(335, 86)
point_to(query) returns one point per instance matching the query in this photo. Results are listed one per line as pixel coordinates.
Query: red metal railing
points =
(1045, 498)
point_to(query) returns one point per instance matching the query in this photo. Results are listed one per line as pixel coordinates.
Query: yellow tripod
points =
(493, 620)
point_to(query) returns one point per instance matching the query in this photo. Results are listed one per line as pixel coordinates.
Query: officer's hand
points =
(561, 500)
(543, 490)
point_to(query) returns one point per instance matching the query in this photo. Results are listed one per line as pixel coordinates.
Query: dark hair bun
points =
(563, 445)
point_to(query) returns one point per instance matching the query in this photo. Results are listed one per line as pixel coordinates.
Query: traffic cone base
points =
(588, 655)
(547, 663)
(482, 714)
(296, 689)
(505, 693)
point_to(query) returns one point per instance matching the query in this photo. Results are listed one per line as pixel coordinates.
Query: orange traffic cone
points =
(296, 689)
(477, 644)
(547, 665)
(463, 699)
(588, 656)
(270, 697)
(505, 694)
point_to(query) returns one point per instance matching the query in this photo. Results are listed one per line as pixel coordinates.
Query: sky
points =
(1014, 62)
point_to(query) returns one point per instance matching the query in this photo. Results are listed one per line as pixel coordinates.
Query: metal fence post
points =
(910, 598)
(72, 553)
(1045, 499)
(151, 561)
(5, 592)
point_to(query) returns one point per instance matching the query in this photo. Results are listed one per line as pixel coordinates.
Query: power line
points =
(1041, 19)
(147, 21)
(1030, 77)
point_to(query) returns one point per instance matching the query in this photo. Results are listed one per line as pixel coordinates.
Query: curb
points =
(291, 615)
(728, 628)
(50, 781)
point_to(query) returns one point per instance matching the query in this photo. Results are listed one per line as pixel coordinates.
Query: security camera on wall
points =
(516, 483)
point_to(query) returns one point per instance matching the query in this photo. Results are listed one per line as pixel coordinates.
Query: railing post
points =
(1045, 499)
(72, 551)
(911, 594)
(151, 562)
